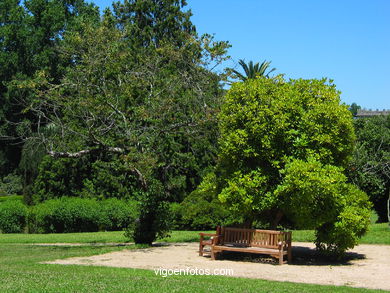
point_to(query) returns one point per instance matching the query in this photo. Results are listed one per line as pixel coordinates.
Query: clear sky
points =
(345, 40)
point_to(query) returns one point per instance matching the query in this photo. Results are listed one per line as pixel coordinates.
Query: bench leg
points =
(289, 254)
(213, 254)
(280, 257)
(201, 249)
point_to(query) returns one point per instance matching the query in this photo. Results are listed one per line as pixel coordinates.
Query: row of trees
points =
(113, 106)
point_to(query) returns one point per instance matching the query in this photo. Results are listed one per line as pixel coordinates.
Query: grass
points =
(377, 234)
(21, 271)
(92, 237)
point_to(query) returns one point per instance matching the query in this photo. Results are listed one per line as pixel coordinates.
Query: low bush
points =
(202, 210)
(66, 214)
(13, 216)
(11, 198)
(117, 214)
(11, 184)
(72, 214)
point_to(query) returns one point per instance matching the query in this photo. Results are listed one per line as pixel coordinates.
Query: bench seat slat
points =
(260, 250)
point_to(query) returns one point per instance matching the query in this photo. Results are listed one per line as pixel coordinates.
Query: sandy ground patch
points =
(367, 265)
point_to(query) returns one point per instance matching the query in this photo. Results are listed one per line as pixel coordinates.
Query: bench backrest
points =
(253, 237)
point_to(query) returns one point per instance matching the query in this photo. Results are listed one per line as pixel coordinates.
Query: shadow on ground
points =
(301, 256)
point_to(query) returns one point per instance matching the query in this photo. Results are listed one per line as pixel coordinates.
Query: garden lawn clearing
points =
(366, 266)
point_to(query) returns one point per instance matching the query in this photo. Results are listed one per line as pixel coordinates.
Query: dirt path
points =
(367, 265)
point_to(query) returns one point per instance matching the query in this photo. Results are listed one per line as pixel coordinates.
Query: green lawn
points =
(21, 271)
(378, 234)
(93, 237)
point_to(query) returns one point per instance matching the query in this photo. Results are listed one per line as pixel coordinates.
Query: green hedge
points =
(64, 215)
(11, 197)
(71, 214)
(13, 216)
(117, 214)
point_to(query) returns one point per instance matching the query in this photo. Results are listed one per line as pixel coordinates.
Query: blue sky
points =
(345, 40)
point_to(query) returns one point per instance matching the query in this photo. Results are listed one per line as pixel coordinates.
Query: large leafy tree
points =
(283, 150)
(30, 32)
(153, 22)
(150, 107)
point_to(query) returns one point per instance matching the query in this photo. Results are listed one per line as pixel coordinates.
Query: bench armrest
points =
(216, 239)
(283, 244)
(207, 234)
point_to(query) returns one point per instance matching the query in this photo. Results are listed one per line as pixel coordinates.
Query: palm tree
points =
(252, 71)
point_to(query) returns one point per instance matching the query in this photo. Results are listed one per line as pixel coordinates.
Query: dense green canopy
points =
(136, 113)
(370, 166)
(283, 149)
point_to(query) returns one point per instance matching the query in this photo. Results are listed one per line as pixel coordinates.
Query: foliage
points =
(72, 214)
(202, 210)
(60, 177)
(316, 196)
(155, 219)
(99, 177)
(11, 184)
(11, 197)
(66, 214)
(354, 108)
(147, 101)
(370, 166)
(151, 23)
(177, 136)
(13, 216)
(117, 214)
(124, 104)
(283, 149)
(30, 32)
(253, 70)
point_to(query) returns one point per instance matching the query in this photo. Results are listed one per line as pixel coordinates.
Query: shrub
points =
(117, 214)
(176, 211)
(66, 214)
(317, 196)
(13, 215)
(155, 220)
(202, 210)
(11, 184)
(71, 214)
(11, 198)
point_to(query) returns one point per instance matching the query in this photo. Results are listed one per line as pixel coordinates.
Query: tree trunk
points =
(276, 220)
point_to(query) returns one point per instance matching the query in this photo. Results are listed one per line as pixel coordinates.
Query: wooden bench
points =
(274, 243)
